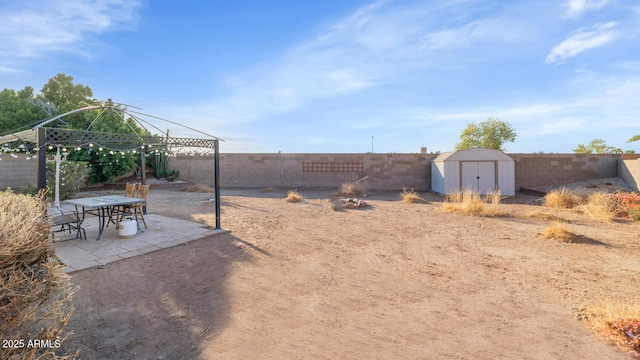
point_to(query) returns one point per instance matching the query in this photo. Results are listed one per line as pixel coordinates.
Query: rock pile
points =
(351, 203)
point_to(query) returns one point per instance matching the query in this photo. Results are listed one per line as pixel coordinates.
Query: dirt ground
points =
(391, 281)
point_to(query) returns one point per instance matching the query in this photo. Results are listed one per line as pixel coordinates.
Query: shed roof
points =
(472, 155)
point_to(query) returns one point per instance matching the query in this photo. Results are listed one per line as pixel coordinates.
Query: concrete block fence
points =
(558, 169)
(385, 171)
(17, 172)
(630, 171)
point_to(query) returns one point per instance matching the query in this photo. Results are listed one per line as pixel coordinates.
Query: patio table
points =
(102, 206)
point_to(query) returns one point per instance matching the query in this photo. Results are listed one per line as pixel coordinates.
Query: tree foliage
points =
(61, 92)
(58, 96)
(597, 146)
(491, 133)
(18, 109)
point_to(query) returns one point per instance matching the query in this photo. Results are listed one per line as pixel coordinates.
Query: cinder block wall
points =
(18, 173)
(630, 173)
(385, 171)
(558, 169)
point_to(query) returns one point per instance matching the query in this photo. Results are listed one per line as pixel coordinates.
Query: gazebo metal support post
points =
(216, 170)
(41, 143)
(143, 167)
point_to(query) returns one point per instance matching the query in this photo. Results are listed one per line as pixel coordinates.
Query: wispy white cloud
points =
(485, 30)
(8, 69)
(37, 27)
(582, 41)
(575, 8)
(377, 44)
(613, 102)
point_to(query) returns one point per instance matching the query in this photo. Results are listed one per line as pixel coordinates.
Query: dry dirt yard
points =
(392, 281)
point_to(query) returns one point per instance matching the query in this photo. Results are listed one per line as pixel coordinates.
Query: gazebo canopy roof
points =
(113, 141)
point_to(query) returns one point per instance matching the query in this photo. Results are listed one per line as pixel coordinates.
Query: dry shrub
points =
(469, 202)
(410, 196)
(34, 291)
(293, 196)
(269, 189)
(354, 187)
(336, 204)
(200, 188)
(616, 322)
(561, 199)
(600, 206)
(558, 230)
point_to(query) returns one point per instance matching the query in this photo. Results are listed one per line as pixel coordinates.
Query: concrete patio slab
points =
(161, 232)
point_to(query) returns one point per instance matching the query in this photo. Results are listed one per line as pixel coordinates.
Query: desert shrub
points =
(600, 206)
(469, 202)
(172, 175)
(336, 204)
(73, 175)
(410, 196)
(616, 322)
(627, 205)
(293, 196)
(354, 187)
(561, 199)
(34, 291)
(559, 231)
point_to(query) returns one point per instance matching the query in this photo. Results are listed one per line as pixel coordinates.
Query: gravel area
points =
(607, 185)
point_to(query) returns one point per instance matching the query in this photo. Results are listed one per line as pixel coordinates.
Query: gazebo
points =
(41, 137)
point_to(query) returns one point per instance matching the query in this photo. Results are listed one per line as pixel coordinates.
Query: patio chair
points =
(68, 220)
(129, 191)
(143, 191)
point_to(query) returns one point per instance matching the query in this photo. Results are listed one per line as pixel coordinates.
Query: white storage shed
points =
(479, 169)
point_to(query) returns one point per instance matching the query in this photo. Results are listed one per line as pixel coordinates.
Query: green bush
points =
(29, 190)
(73, 175)
(172, 175)
(105, 165)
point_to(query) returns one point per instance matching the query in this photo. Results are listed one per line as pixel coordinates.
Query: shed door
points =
(479, 176)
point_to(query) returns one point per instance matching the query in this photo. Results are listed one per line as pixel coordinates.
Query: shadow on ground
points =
(163, 306)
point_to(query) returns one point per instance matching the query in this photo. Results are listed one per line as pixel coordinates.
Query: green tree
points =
(491, 133)
(597, 146)
(61, 92)
(18, 110)
(61, 95)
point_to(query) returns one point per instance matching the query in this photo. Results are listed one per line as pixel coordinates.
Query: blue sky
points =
(315, 76)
